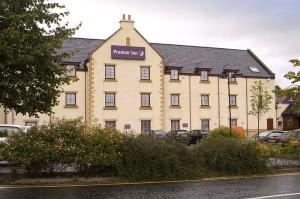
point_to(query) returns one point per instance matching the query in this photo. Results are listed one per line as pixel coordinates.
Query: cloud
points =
(268, 27)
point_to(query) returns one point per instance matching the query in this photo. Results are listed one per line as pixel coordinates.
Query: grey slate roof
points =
(188, 57)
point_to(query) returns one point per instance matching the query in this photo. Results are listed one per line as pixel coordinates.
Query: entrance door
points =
(270, 124)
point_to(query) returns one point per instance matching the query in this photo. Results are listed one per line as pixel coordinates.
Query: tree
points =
(293, 92)
(31, 71)
(260, 101)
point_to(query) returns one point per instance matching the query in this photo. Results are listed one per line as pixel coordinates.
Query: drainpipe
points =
(85, 73)
(247, 115)
(219, 112)
(228, 84)
(190, 102)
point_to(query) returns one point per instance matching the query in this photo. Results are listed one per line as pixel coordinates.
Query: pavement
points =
(283, 186)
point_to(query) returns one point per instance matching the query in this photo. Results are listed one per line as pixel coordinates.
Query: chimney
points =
(126, 23)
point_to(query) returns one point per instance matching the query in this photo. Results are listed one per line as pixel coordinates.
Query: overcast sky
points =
(270, 28)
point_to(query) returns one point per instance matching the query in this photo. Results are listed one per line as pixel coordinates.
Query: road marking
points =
(62, 185)
(275, 196)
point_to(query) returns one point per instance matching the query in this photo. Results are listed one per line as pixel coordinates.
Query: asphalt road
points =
(281, 187)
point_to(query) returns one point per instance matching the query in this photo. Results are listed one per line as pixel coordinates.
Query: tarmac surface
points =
(277, 187)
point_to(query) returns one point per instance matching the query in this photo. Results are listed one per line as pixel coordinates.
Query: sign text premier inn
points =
(127, 52)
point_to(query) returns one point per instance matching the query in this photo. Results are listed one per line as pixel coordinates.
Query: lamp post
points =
(229, 106)
(229, 73)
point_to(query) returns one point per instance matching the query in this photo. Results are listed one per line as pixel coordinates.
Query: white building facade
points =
(127, 82)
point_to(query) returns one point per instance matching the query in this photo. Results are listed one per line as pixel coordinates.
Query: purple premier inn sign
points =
(127, 52)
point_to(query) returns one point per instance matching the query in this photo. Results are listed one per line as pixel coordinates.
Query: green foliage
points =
(101, 151)
(260, 100)
(224, 132)
(294, 90)
(45, 150)
(149, 158)
(64, 143)
(31, 71)
(231, 155)
(105, 151)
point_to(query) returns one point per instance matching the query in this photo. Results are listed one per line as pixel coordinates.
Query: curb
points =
(86, 183)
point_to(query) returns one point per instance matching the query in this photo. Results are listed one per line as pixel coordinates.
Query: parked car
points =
(159, 134)
(287, 137)
(197, 135)
(264, 136)
(277, 136)
(181, 136)
(7, 130)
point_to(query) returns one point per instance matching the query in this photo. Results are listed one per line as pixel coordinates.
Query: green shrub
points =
(101, 152)
(47, 149)
(233, 156)
(224, 132)
(149, 158)
(291, 151)
(62, 144)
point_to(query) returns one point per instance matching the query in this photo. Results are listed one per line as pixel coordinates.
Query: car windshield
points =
(264, 134)
(6, 131)
(275, 134)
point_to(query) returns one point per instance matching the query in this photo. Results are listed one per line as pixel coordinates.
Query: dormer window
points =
(71, 71)
(254, 69)
(231, 77)
(174, 74)
(204, 75)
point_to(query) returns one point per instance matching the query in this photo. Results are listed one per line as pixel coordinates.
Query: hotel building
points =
(127, 82)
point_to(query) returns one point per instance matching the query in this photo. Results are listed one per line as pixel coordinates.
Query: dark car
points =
(196, 136)
(276, 136)
(264, 136)
(181, 136)
(159, 134)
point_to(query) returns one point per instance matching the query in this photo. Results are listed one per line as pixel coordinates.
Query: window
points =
(145, 125)
(145, 73)
(110, 99)
(127, 41)
(110, 124)
(231, 77)
(232, 100)
(205, 124)
(174, 74)
(145, 99)
(174, 99)
(175, 125)
(204, 75)
(70, 99)
(233, 122)
(30, 123)
(204, 100)
(71, 71)
(109, 72)
(254, 69)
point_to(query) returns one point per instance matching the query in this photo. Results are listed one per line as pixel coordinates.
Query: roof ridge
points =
(200, 46)
(84, 38)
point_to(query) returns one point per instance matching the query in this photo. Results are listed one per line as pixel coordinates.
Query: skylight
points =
(254, 69)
